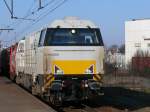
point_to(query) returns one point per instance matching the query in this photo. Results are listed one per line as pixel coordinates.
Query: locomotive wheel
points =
(55, 99)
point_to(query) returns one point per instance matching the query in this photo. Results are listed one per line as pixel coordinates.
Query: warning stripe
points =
(48, 79)
(49, 82)
(97, 77)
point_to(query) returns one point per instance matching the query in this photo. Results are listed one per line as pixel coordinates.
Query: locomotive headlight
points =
(73, 31)
(90, 70)
(87, 71)
(58, 70)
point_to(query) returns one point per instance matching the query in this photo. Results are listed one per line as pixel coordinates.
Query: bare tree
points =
(122, 49)
(114, 48)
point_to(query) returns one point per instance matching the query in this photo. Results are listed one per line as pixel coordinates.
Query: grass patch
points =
(147, 91)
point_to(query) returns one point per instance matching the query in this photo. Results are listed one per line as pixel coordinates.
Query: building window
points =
(147, 39)
(137, 44)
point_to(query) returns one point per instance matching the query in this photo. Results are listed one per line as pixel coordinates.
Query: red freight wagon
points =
(0, 63)
(141, 63)
(12, 67)
(4, 61)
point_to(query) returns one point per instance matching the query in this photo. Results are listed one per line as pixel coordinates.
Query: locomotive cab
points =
(73, 59)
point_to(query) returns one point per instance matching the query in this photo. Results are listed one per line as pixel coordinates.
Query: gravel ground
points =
(115, 99)
(127, 81)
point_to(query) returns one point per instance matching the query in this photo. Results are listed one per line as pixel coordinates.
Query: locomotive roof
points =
(72, 22)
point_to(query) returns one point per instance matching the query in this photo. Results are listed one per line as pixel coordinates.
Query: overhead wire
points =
(37, 10)
(16, 24)
(20, 21)
(26, 15)
(58, 4)
(29, 13)
(48, 3)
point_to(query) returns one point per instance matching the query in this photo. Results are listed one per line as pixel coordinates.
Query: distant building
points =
(118, 59)
(137, 37)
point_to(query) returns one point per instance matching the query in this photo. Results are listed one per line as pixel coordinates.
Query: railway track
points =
(79, 108)
(86, 108)
(114, 100)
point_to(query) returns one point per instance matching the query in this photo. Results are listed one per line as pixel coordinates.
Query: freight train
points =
(60, 62)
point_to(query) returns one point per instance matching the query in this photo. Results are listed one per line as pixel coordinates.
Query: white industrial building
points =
(137, 37)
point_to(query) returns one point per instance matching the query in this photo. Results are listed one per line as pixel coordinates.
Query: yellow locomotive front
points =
(73, 61)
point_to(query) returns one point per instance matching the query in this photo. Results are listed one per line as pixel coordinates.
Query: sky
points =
(109, 15)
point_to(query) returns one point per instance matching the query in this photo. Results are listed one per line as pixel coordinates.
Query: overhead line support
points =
(6, 29)
(9, 9)
(12, 9)
(40, 5)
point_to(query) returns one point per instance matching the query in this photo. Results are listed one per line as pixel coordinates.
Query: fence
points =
(133, 78)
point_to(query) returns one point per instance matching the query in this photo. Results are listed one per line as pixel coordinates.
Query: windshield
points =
(69, 36)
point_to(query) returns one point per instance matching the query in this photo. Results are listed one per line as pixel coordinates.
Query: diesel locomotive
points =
(62, 62)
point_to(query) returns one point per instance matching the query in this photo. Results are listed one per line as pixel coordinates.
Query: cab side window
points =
(21, 48)
(42, 37)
